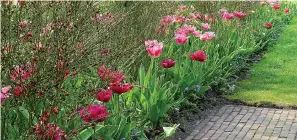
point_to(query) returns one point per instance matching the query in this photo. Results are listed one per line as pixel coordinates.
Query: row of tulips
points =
(102, 103)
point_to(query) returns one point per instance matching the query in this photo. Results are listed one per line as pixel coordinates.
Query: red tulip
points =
(29, 34)
(95, 113)
(105, 51)
(167, 63)
(198, 55)
(67, 72)
(120, 88)
(276, 7)
(18, 90)
(154, 48)
(286, 10)
(56, 111)
(239, 14)
(73, 132)
(104, 95)
(117, 77)
(103, 72)
(268, 25)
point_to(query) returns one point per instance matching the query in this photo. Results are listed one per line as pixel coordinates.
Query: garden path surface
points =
(236, 122)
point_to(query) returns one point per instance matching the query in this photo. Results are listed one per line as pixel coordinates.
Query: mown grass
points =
(274, 79)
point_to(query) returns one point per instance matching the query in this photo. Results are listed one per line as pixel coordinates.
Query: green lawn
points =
(274, 78)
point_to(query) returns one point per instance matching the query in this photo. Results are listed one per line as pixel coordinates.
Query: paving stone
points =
(204, 130)
(292, 137)
(249, 135)
(209, 134)
(237, 108)
(234, 122)
(231, 117)
(215, 118)
(255, 126)
(224, 136)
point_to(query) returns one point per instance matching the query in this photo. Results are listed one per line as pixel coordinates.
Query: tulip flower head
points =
(286, 10)
(167, 63)
(4, 93)
(239, 14)
(180, 38)
(197, 33)
(104, 95)
(96, 113)
(120, 88)
(276, 7)
(207, 36)
(227, 16)
(268, 25)
(198, 56)
(154, 48)
(205, 26)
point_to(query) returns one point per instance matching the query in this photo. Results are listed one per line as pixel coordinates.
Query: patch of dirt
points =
(263, 104)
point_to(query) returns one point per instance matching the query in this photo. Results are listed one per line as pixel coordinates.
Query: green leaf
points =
(154, 113)
(141, 75)
(127, 130)
(79, 81)
(24, 112)
(88, 132)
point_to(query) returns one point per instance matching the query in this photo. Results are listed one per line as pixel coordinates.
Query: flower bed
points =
(54, 88)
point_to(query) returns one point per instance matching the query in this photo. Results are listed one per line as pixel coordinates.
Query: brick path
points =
(234, 122)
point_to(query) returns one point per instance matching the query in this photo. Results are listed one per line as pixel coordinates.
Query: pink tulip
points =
(167, 20)
(38, 46)
(207, 36)
(192, 16)
(4, 93)
(199, 16)
(203, 37)
(205, 26)
(154, 48)
(180, 19)
(197, 33)
(180, 38)
(182, 7)
(226, 16)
